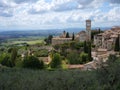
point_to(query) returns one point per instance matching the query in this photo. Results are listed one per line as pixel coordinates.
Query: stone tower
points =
(88, 29)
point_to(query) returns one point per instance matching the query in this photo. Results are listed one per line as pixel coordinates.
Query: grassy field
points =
(28, 40)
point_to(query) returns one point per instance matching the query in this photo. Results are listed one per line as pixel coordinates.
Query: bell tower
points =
(88, 29)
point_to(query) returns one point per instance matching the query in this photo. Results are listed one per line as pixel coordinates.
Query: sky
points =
(57, 14)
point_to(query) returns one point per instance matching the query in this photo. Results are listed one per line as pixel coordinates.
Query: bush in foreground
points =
(33, 63)
(105, 78)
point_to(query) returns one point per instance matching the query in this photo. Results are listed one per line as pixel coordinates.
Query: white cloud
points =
(57, 13)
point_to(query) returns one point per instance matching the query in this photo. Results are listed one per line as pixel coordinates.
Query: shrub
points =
(13, 56)
(42, 53)
(56, 61)
(84, 58)
(73, 58)
(33, 63)
(117, 48)
(5, 60)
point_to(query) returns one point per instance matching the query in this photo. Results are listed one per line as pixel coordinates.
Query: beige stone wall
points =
(60, 40)
(107, 39)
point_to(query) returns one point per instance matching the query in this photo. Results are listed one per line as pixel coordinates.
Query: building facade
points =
(56, 41)
(107, 39)
(88, 29)
(81, 36)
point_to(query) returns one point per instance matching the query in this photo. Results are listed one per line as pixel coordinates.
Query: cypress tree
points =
(85, 47)
(117, 44)
(89, 51)
(67, 35)
(73, 36)
(99, 30)
(13, 56)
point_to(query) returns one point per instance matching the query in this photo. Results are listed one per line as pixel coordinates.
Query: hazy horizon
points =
(54, 29)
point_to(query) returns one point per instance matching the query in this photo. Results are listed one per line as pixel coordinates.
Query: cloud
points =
(6, 13)
(39, 7)
(42, 6)
(67, 6)
(114, 14)
(57, 13)
(24, 1)
(6, 8)
(85, 2)
(114, 1)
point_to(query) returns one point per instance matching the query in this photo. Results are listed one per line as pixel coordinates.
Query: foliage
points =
(5, 60)
(13, 56)
(56, 47)
(48, 40)
(42, 53)
(89, 52)
(56, 61)
(84, 58)
(2, 49)
(73, 37)
(73, 58)
(105, 78)
(117, 46)
(111, 73)
(67, 35)
(78, 45)
(10, 50)
(87, 49)
(33, 63)
(19, 63)
(71, 45)
(94, 32)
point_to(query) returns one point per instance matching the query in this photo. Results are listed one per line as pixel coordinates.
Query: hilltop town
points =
(85, 50)
(104, 44)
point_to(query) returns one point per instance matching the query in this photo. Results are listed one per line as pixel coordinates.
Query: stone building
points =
(85, 35)
(107, 39)
(63, 35)
(58, 40)
(88, 29)
(81, 36)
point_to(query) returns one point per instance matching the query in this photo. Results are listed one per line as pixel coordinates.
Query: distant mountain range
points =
(66, 29)
(25, 33)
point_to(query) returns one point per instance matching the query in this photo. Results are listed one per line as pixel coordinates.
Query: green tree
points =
(67, 35)
(48, 40)
(85, 47)
(5, 60)
(73, 58)
(33, 63)
(13, 56)
(10, 50)
(56, 61)
(117, 48)
(73, 37)
(84, 58)
(78, 45)
(111, 74)
(99, 30)
(89, 51)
